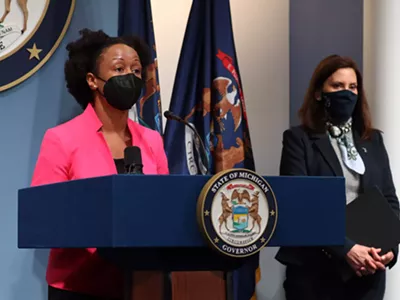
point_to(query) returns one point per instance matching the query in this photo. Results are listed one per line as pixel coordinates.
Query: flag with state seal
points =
(208, 95)
(135, 18)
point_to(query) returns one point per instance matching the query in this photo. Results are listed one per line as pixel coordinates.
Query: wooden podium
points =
(147, 223)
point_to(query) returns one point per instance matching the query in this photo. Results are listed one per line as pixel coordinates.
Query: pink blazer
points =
(76, 150)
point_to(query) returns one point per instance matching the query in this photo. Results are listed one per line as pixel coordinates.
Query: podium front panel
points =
(143, 211)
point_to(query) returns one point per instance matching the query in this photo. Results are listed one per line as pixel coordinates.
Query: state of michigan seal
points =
(237, 212)
(30, 32)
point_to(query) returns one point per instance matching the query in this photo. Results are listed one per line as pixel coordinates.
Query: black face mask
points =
(122, 91)
(339, 105)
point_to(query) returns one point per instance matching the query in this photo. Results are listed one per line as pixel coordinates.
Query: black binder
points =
(370, 221)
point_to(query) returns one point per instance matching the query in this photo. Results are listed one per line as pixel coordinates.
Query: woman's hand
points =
(364, 260)
(384, 259)
(387, 258)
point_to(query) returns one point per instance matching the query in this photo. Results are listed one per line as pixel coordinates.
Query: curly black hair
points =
(83, 55)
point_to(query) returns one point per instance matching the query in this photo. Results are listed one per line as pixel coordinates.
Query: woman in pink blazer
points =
(105, 75)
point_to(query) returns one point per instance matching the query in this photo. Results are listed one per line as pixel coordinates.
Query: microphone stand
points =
(203, 153)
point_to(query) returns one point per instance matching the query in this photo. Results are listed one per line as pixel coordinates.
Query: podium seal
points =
(237, 212)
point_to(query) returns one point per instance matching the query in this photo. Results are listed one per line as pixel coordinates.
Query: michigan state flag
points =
(135, 18)
(208, 94)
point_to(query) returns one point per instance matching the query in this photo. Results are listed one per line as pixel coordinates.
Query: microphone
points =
(169, 115)
(133, 160)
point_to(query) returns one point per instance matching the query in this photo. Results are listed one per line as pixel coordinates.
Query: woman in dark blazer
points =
(336, 138)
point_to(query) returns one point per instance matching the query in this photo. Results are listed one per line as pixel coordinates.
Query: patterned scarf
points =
(344, 137)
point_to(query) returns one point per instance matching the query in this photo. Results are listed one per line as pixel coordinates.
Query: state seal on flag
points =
(30, 32)
(237, 212)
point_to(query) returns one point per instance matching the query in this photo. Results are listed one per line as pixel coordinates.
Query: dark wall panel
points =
(319, 28)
